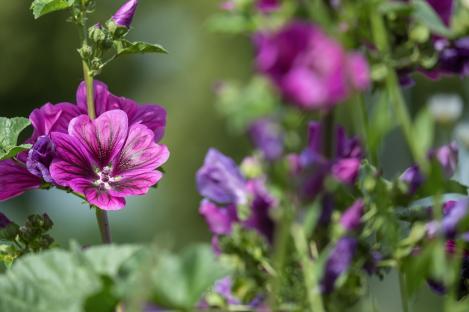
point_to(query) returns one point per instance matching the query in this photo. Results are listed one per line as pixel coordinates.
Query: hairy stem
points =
(101, 215)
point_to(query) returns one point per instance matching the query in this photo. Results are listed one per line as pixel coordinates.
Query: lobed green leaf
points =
(10, 129)
(43, 7)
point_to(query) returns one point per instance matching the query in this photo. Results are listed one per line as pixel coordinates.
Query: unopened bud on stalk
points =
(123, 17)
(445, 108)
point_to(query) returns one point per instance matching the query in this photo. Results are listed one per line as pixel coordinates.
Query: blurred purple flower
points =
(261, 206)
(444, 8)
(220, 220)
(447, 156)
(413, 177)
(220, 180)
(351, 218)
(124, 16)
(267, 136)
(228, 5)
(454, 213)
(346, 170)
(268, 6)
(310, 69)
(40, 157)
(339, 261)
(106, 160)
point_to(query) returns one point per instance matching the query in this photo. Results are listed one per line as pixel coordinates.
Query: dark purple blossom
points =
(267, 136)
(107, 160)
(124, 16)
(339, 261)
(4, 221)
(40, 157)
(310, 69)
(220, 180)
(444, 9)
(220, 220)
(351, 219)
(454, 213)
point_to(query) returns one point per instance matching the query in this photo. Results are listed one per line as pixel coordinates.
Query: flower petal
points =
(152, 116)
(101, 95)
(138, 184)
(73, 161)
(140, 153)
(15, 180)
(104, 137)
(97, 196)
(52, 118)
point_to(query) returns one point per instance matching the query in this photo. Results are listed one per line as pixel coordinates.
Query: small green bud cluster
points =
(32, 237)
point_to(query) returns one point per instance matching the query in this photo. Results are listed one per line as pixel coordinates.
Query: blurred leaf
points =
(425, 14)
(10, 129)
(424, 132)
(180, 281)
(124, 47)
(43, 7)
(62, 281)
(47, 282)
(380, 123)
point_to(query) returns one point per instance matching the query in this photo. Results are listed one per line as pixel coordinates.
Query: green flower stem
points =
(392, 85)
(403, 289)
(101, 215)
(313, 294)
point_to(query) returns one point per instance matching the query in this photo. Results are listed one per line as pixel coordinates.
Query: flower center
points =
(105, 178)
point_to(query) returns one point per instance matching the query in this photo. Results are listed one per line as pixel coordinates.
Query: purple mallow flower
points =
(224, 188)
(220, 180)
(123, 17)
(310, 69)
(339, 261)
(40, 157)
(267, 136)
(17, 177)
(351, 219)
(107, 160)
(454, 213)
(444, 9)
(346, 170)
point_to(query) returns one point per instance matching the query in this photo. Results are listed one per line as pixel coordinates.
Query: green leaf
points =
(424, 132)
(124, 47)
(43, 7)
(10, 129)
(425, 14)
(180, 281)
(64, 281)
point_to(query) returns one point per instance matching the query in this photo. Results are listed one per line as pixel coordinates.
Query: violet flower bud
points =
(338, 263)
(40, 157)
(4, 221)
(220, 180)
(346, 170)
(219, 219)
(123, 17)
(447, 156)
(351, 219)
(413, 177)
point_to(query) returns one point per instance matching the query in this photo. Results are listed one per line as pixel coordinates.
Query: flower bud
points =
(40, 157)
(413, 177)
(351, 219)
(346, 170)
(447, 156)
(446, 109)
(123, 17)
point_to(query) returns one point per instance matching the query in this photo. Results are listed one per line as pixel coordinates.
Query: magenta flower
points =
(151, 115)
(124, 16)
(309, 68)
(346, 170)
(267, 6)
(40, 157)
(107, 160)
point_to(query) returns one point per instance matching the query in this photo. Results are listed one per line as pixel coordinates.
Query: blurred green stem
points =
(327, 134)
(403, 289)
(381, 40)
(103, 223)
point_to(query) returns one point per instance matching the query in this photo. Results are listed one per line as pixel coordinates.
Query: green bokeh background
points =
(39, 64)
